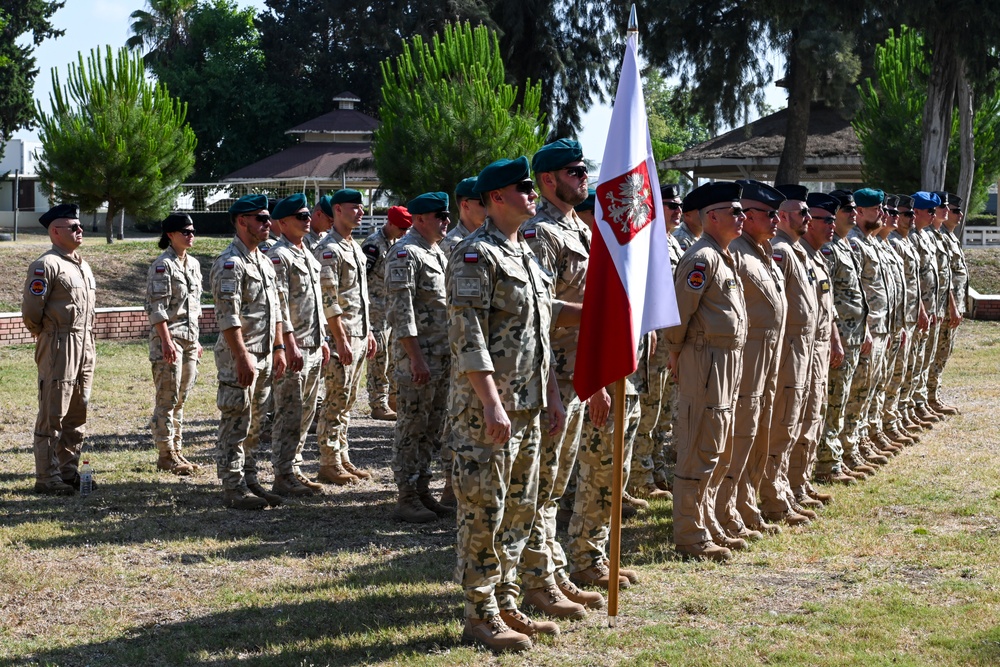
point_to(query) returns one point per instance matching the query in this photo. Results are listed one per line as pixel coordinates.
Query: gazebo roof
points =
(308, 160)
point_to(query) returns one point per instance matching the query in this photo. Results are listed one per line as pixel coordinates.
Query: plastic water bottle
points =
(86, 479)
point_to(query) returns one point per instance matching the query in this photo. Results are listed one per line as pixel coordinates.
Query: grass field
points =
(151, 570)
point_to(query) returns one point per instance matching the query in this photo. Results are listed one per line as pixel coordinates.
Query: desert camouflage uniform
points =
(886, 392)
(58, 309)
(926, 341)
(804, 452)
(297, 277)
(453, 238)
(710, 341)
(898, 376)
(345, 295)
(243, 288)
(312, 239)
(685, 239)
(959, 290)
(562, 245)
(380, 379)
(746, 450)
(499, 310)
(173, 295)
(939, 353)
(851, 318)
(415, 303)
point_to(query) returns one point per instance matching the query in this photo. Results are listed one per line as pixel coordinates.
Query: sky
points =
(94, 23)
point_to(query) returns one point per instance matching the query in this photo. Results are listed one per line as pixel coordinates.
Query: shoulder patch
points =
(228, 266)
(824, 285)
(160, 268)
(826, 250)
(684, 245)
(700, 266)
(370, 249)
(327, 254)
(39, 271)
(400, 254)
(469, 286)
(276, 260)
(778, 256)
(530, 233)
(37, 287)
(471, 257)
(854, 244)
(696, 279)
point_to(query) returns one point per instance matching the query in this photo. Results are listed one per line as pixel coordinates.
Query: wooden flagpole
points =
(618, 461)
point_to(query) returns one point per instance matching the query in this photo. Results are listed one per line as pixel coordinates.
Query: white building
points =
(22, 157)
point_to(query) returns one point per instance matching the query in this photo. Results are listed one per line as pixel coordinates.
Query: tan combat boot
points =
(241, 499)
(704, 551)
(518, 622)
(653, 492)
(835, 478)
(448, 494)
(171, 463)
(429, 501)
(731, 543)
(631, 575)
(383, 413)
(410, 509)
(746, 534)
(195, 468)
(589, 599)
(807, 513)
(824, 498)
(494, 634)
(551, 601)
(290, 486)
(357, 472)
(308, 483)
(335, 474)
(637, 503)
(597, 576)
(54, 487)
(943, 409)
(787, 517)
(925, 414)
(272, 499)
(764, 527)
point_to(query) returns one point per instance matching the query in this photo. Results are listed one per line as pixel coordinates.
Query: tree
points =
(113, 136)
(17, 64)
(160, 30)
(669, 134)
(218, 68)
(447, 112)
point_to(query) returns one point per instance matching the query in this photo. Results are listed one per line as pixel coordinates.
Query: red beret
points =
(400, 217)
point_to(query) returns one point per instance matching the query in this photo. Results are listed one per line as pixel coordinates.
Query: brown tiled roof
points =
(338, 120)
(307, 160)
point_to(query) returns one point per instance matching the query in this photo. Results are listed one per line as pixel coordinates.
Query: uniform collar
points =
(490, 230)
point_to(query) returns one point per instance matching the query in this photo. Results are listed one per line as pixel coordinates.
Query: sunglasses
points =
(443, 215)
(673, 206)
(849, 209)
(956, 211)
(74, 228)
(906, 214)
(578, 171)
(771, 213)
(525, 187)
(830, 220)
(186, 232)
(892, 212)
(303, 216)
(261, 217)
(804, 212)
(735, 211)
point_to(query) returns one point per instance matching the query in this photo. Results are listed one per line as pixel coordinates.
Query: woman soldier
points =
(173, 303)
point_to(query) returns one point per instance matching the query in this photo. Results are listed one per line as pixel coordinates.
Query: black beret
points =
(943, 196)
(175, 222)
(290, 205)
(466, 188)
(954, 200)
(670, 191)
(429, 202)
(845, 197)
(793, 191)
(501, 173)
(249, 204)
(346, 196)
(556, 155)
(588, 203)
(905, 201)
(891, 201)
(823, 201)
(713, 193)
(762, 192)
(70, 211)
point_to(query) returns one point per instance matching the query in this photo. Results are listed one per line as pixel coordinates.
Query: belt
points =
(760, 333)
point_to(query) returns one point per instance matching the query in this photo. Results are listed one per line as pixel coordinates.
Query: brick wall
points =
(983, 306)
(109, 324)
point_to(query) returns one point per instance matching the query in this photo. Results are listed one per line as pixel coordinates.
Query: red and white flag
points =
(630, 286)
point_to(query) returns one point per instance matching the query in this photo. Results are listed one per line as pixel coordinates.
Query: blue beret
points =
(325, 205)
(845, 197)
(346, 196)
(824, 201)
(713, 193)
(588, 203)
(466, 188)
(70, 211)
(866, 197)
(556, 155)
(429, 202)
(501, 173)
(290, 205)
(248, 204)
(905, 201)
(762, 192)
(925, 200)
(791, 191)
(670, 191)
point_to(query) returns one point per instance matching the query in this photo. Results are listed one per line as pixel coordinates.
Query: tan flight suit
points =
(58, 310)
(764, 293)
(173, 295)
(793, 371)
(803, 457)
(709, 340)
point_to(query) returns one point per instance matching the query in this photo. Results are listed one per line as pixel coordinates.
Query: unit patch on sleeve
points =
(696, 279)
(471, 258)
(530, 233)
(39, 271)
(469, 286)
(399, 274)
(160, 268)
(228, 266)
(400, 254)
(327, 254)
(37, 287)
(826, 250)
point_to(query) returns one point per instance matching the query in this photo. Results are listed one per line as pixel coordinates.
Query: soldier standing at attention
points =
(58, 310)
(959, 284)
(415, 304)
(376, 249)
(499, 309)
(322, 220)
(924, 205)
(471, 214)
(690, 230)
(345, 306)
(737, 517)
(948, 313)
(306, 347)
(706, 360)
(173, 304)
(249, 314)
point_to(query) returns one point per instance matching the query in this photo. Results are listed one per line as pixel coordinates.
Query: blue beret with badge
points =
(249, 204)
(556, 155)
(68, 211)
(762, 192)
(710, 194)
(429, 202)
(868, 197)
(346, 196)
(588, 203)
(290, 205)
(792, 191)
(501, 173)
(466, 188)
(828, 203)
(925, 200)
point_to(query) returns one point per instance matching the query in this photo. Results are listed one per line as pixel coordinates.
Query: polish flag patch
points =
(471, 257)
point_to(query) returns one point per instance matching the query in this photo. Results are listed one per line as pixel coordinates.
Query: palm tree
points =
(161, 29)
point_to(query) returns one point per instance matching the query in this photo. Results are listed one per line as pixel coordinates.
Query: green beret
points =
(429, 202)
(866, 197)
(68, 211)
(325, 205)
(466, 188)
(556, 155)
(346, 196)
(588, 203)
(501, 173)
(249, 204)
(290, 205)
